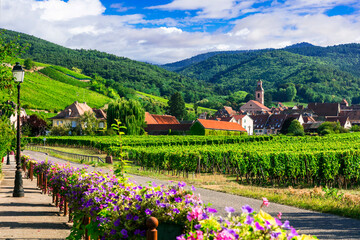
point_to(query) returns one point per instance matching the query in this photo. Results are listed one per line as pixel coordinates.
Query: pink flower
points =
(196, 213)
(224, 235)
(279, 215)
(199, 235)
(265, 202)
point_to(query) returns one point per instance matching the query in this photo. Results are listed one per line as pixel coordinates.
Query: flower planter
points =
(169, 231)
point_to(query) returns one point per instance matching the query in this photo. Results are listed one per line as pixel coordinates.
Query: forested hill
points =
(318, 73)
(118, 71)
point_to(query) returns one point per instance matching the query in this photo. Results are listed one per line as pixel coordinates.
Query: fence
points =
(75, 156)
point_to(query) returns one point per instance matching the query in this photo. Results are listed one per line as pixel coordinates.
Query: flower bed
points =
(118, 209)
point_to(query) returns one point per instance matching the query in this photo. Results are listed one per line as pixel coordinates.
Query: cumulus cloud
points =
(120, 7)
(83, 24)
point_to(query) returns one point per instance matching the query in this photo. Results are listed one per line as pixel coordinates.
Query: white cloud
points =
(120, 7)
(82, 24)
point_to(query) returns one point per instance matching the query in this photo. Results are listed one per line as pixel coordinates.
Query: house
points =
(275, 123)
(160, 119)
(246, 122)
(312, 127)
(353, 115)
(13, 117)
(225, 112)
(259, 122)
(254, 107)
(325, 109)
(204, 127)
(343, 120)
(70, 116)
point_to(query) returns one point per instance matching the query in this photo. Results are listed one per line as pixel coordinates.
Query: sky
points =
(164, 31)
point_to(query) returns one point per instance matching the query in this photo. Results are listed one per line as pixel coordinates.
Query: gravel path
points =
(324, 226)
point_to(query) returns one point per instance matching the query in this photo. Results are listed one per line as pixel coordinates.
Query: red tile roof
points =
(160, 119)
(265, 108)
(220, 125)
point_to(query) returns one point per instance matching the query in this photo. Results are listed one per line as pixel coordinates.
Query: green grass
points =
(72, 73)
(292, 104)
(41, 92)
(164, 100)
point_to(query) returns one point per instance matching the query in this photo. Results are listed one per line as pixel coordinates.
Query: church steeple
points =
(259, 93)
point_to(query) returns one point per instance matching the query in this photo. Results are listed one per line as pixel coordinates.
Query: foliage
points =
(331, 128)
(176, 106)
(7, 137)
(89, 123)
(296, 128)
(120, 166)
(197, 129)
(29, 64)
(53, 73)
(130, 113)
(35, 125)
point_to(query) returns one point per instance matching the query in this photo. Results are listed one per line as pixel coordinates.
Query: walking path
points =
(324, 226)
(29, 217)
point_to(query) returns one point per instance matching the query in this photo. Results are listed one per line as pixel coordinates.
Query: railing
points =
(75, 156)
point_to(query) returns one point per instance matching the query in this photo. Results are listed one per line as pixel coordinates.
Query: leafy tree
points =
(296, 128)
(249, 97)
(176, 106)
(28, 64)
(290, 92)
(35, 126)
(331, 128)
(130, 113)
(89, 123)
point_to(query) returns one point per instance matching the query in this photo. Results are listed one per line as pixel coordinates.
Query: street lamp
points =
(18, 74)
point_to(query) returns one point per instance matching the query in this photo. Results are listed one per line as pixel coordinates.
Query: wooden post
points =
(56, 200)
(86, 222)
(45, 184)
(53, 197)
(40, 180)
(151, 223)
(65, 206)
(31, 171)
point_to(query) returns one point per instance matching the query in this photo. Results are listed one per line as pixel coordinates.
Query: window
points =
(57, 123)
(258, 95)
(61, 122)
(101, 124)
(73, 123)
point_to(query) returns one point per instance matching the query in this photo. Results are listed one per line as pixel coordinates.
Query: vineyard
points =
(332, 160)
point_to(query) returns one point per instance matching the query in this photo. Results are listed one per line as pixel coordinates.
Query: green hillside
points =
(317, 78)
(118, 72)
(41, 92)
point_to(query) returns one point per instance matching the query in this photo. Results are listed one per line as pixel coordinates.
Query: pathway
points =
(29, 217)
(324, 226)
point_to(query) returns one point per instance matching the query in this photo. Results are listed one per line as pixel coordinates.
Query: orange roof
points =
(220, 125)
(149, 118)
(259, 105)
(160, 119)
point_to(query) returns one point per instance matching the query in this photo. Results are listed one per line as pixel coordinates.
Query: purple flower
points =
(229, 209)
(286, 225)
(278, 222)
(292, 233)
(175, 210)
(148, 211)
(128, 217)
(249, 220)
(135, 218)
(267, 224)
(124, 233)
(137, 206)
(193, 188)
(247, 209)
(117, 222)
(197, 226)
(178, 199)
(137, 231)
(181, 184)
(116, 208)
(113, 232)
(211, 210)
(275, 234)
(259, 227)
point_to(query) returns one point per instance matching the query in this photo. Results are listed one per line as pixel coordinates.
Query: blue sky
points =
(162, 31)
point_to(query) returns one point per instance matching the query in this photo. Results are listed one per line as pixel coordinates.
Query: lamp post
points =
(18, 74)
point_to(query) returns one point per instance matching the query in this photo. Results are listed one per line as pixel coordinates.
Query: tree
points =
(28, 64)
(290, 92)
(35, 126)
(130, 113)
(89, 123)
(296, 128)
(331, 128)
(176, 106)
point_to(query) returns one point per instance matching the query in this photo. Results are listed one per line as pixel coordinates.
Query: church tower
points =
(259, 93)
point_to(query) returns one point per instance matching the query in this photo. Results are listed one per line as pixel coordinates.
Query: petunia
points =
(229, 209)
(148, 211)
(117, 222)
(124, 233)
(247, 209)
(197, 226)
(181, 184)
(286, 225)
(279, 215)
(249, 220)
(211, 210)
(259, 227)
(265, 202)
